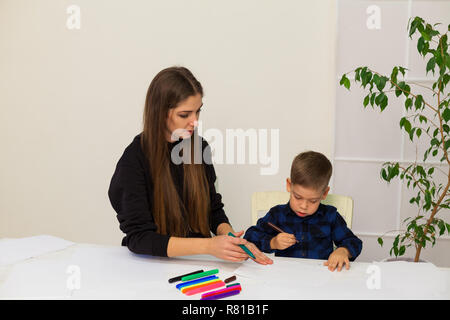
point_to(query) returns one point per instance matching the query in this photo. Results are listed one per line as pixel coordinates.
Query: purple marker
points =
(221, 295)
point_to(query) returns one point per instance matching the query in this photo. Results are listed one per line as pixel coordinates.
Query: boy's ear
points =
(288, 185)
(325, 193)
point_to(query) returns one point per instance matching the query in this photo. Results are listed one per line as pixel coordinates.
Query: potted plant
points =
(424, 119)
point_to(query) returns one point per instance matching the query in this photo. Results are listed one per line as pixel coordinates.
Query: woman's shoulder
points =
(133, 155)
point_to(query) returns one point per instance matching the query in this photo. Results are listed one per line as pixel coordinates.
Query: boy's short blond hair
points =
(311, 169)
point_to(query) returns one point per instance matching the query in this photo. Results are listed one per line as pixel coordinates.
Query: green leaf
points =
(413, 27)
(366, 78)
(427, 205)
(372, 98)
(425, 35)
(407, 125)
(434, 142)
(422, 119)
(418, 132)
(381, 100)
(394, 76)
(407, 90)
(446, 128)
(397, 238)
(431, 64)
(421, 45)
(419, 101)
(447, 144)
(436, 131)
(381, 83)
(441, 225)
(380, 241)
(446, 114)
(357, 76)
(408, 103)
(345, 81)
(366, 100)
(384, 102)
(402, 88)
(384, 174)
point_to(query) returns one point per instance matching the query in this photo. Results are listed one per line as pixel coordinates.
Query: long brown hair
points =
(170, 87)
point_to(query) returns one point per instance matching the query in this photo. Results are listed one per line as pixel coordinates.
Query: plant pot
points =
(407, 259)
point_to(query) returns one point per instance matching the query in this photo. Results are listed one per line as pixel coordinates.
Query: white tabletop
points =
(87, 271)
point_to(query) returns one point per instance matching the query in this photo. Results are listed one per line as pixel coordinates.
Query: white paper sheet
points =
(287, 271)
(117, 273)
(302, 279)
(15, 250)
(86, 271)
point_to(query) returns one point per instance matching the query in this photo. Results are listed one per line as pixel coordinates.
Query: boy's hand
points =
(282, 241)
(338, 258)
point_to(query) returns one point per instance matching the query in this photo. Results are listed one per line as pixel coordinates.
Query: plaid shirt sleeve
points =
(260, 235)
(344, 237)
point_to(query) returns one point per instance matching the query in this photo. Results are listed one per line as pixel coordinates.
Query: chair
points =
(263, 201)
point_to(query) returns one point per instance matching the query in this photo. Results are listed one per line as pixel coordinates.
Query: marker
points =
(196, 281)
(274, 227)
(205, 288)
(203, 284)
(233, 284)
(227, 289)
(199, 275)
(221, 295)
(178, 278)
(230, 279)
(243, 247)
(216, 292)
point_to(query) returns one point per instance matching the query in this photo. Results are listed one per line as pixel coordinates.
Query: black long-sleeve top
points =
(131, 195)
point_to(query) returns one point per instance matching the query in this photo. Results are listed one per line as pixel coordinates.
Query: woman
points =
(164, 207)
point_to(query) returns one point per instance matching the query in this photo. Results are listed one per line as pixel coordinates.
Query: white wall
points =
(72, 100)
(365, 139)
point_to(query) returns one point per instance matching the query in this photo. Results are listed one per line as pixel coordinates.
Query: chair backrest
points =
(263, 201)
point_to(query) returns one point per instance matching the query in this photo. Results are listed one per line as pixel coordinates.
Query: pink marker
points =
(205, 288)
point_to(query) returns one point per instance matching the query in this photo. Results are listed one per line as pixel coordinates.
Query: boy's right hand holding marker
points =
(282, 241)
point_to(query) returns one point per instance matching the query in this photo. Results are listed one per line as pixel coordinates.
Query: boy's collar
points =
(319, 211)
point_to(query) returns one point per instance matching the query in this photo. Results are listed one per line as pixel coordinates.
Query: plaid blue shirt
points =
(315, 233)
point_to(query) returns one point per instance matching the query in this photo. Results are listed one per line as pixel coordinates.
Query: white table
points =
(88, 271)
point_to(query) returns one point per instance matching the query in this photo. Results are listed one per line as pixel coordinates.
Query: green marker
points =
(243, 247)
(200, 275)
(233, 284)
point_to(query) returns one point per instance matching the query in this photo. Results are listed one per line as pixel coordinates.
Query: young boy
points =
(310, 228)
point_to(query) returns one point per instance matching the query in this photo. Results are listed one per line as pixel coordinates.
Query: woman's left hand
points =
(261, 258)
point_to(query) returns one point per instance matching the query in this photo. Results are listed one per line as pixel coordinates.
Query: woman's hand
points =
(227, 248)
(261, 258)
